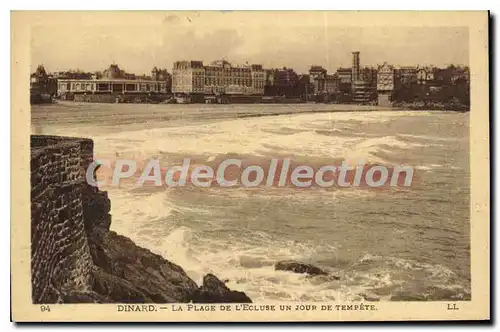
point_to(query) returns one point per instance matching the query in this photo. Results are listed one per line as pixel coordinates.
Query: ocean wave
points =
(427, 167)
(373, 149)
(427, 138)
(395, 278)
(306, 134)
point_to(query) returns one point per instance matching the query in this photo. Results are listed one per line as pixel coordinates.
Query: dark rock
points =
(215, 291)
(116, 289)
(299, 267)
(370, 297)
(88, 297)
(131, 273)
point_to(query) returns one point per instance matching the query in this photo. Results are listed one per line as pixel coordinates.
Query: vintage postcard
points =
(222, 166)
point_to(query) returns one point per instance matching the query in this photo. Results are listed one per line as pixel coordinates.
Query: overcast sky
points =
(139, 41)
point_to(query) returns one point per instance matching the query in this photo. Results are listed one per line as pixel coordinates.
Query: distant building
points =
(282, 82)
(369, 75)
(363, 91)
(188, 77)
(317, 76)
(331, 84)
(406, 88)
(425, 74)
(39, 78)
(344, 75)
(303, 86)
(220, 77)
(450, 75)
(110, 86)
(114, 81)
(42, 83)
(113, 72)
(258, 79)
(363, 81)
(286, 77)
(385, 78)
(385, 84)
(405, 76)
(460, 74)
(162, 75)
(270, 78)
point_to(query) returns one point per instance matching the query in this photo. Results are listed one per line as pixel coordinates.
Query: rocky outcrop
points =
(299, 267)
(121, 265)
(214, 291)
(75, 258)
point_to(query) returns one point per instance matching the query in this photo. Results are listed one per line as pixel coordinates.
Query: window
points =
(117, 87)
(102, 87)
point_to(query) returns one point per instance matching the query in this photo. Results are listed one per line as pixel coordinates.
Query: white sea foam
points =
(251, 137)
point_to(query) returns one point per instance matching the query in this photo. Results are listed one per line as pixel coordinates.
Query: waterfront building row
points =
(358, 84)
(386, 82)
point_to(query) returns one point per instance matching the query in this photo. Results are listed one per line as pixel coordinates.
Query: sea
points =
(393, 244)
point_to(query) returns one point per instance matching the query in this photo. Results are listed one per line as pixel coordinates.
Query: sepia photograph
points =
(290, 165)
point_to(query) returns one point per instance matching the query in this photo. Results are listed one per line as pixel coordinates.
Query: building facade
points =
(344, 75)
(460, 74)
(405, 76)
(369, 75)
(106, 86)
(162, 75)
(282, 82)
(385, 84)
(363, 92)
(317, 76)
(331, 84)
(385, 78)
(41, 82)
(425, 74)
(42, 86)
(258, 79)
(219, 77)
(188, 77)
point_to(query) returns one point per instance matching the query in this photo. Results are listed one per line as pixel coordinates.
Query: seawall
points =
(60, 255)
(75, 258)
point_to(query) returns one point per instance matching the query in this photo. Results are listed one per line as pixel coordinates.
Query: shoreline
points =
(332, 108)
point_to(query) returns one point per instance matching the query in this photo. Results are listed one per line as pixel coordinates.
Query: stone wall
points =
(60, 255)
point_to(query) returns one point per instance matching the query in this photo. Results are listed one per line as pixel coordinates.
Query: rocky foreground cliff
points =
(76, 258)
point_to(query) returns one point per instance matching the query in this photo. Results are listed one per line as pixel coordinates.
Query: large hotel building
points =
(217, 78)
